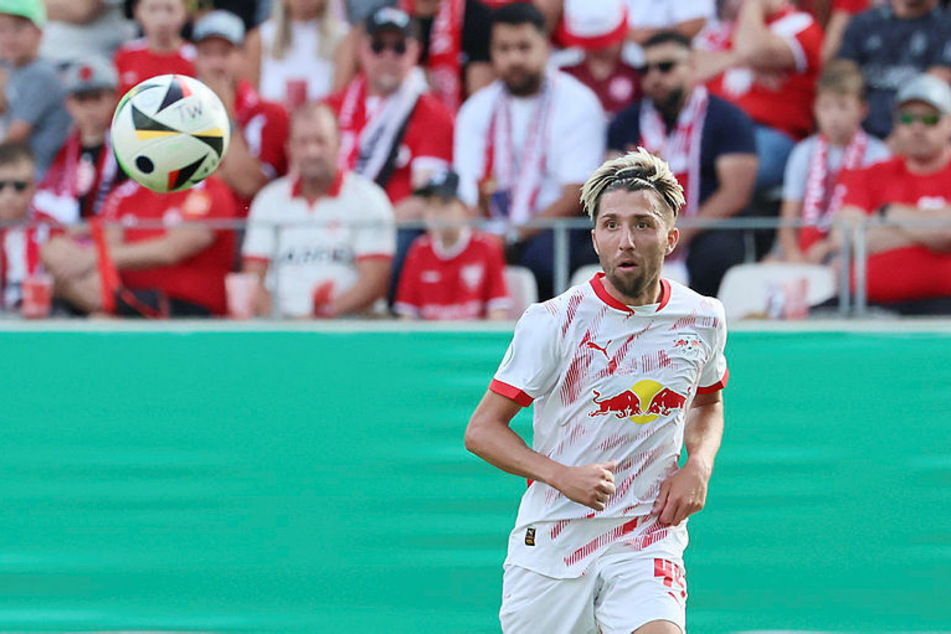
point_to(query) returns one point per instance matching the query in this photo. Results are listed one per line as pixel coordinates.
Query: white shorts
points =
(623, 590)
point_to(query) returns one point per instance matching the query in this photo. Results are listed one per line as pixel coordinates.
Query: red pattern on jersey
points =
(924, 273)
(598, 542)
(135, 62)
(199, 279)
(438, 288)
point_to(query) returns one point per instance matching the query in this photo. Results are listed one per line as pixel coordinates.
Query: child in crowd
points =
(22, 229)
(85, 170)
(31, 97)
(813, 187)
(452, 271)
(161, 50)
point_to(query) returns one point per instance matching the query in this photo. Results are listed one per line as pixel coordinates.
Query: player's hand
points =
(591, 485)
(682, 494)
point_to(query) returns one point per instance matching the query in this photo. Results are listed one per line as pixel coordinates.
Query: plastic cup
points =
(37, 296)
(240, 289)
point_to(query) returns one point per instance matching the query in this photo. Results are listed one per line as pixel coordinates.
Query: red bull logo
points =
(643, 403)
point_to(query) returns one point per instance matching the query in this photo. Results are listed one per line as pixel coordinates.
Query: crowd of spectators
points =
(371, 137)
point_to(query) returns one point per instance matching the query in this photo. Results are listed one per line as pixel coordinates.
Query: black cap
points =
(444, 184)
(390, 18)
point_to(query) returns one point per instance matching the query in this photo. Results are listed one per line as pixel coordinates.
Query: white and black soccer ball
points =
(169, 132)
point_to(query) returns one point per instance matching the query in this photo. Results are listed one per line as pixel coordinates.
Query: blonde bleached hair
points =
(633, 172)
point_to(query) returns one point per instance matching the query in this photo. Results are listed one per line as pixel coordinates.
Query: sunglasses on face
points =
(929, 120)
(378, 47)
(662, 67)
(18, 186)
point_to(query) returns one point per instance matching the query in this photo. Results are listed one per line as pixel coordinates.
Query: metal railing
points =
(853, 254)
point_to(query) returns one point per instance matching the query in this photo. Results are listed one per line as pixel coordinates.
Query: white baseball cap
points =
(593, 24)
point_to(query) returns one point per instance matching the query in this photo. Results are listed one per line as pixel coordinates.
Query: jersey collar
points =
(333, 192)
(597, 284)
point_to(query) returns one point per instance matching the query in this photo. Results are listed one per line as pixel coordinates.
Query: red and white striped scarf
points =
(823, 195)
(680, 148)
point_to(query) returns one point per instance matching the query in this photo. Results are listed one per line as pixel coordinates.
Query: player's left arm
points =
(685, 492)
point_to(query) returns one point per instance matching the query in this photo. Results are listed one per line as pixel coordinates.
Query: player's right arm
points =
(490, 437)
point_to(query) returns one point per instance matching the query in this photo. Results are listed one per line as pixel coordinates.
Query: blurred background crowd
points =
(406, 157)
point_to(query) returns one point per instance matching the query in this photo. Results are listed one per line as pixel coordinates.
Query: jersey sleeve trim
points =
(719, 385)
(509, 391)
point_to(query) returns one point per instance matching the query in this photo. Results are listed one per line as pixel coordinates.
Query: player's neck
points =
(650, 295)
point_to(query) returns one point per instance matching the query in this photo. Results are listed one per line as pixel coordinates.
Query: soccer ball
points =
(169, 132)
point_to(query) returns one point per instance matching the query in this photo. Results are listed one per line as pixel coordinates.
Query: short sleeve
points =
(259, 235)
(532, 362)
(733, 131)
(715, 374)
(376, 234)
(794, 180)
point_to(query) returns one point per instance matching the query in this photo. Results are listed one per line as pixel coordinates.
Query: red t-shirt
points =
(908, 273)
(135, 62)
(781, 99)
(428, 136)
(199, 279)
(616, 92)
(265, 127)
(464, 283)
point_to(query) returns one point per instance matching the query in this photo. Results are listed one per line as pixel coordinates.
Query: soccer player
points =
(625, 369)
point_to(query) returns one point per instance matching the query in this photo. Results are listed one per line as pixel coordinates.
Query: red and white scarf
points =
(519, 171)
(680, 148)
(823, 195)
(20, 255)
(368, 137)
(70, 178)
(445, 50)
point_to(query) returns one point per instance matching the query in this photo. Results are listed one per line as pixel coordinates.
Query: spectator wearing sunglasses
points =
(909, 266)
(22, 228)
(393, 131)
(708, 143)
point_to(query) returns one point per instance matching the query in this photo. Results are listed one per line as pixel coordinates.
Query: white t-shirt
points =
(574, 139)
(301, 60)
(609, 382)
(662, 14)
(321, 242)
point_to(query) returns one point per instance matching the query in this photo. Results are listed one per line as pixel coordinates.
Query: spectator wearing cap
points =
(909, 266)
(303, 52)
(598, 31)
(32, 105)
(525, 144)
(892, 44)
(161, 49)
(454, 44)
(393, 130)
(84, 171)
(337, 266)
(708, 143)
(768, 65)
(256, 154)
(452, 271)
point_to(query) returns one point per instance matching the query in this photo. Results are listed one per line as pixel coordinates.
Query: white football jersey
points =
(609, 382)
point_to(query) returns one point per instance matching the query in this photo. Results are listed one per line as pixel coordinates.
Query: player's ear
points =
(673, 236)
(594, 243)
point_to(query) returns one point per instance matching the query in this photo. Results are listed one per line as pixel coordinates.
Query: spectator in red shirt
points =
(769, 69)
(168, 265)
(256, 154)
(599, 30)
(453, 271)
(393, 131)
(85, 170)
(909, 267)
(161, 50)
